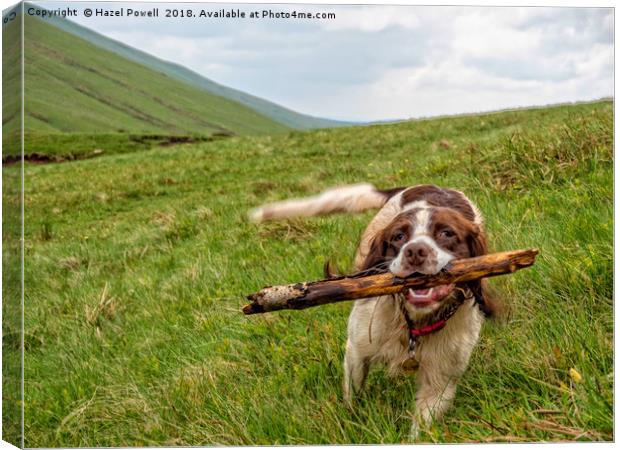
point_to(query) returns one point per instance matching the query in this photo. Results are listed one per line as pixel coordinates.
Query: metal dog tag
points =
(410, 365)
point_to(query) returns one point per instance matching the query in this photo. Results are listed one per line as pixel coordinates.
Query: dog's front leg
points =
(355, 371)
(433, 397)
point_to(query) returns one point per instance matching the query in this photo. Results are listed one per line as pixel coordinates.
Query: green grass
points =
(137, 266)
(73, 86)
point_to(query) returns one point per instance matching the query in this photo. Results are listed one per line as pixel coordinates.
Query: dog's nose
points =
(416, 254)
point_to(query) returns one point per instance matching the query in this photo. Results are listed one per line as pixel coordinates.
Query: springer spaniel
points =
(433, 331)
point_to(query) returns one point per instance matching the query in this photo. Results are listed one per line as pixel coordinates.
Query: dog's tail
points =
(352, 199)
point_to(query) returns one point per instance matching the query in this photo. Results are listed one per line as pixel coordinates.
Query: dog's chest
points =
(449, 346)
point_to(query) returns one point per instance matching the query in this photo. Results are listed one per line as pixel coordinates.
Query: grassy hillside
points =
(273, 111)
(11, 85)
(138, 264)
(74, 86)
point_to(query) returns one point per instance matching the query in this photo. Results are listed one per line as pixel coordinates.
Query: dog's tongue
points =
(422, 292)
(424, 297)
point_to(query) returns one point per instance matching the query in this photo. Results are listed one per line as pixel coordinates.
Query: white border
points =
(4, 4)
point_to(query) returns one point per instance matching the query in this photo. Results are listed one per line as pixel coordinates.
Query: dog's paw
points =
(418, 426)
(414, 431)
(349, 400)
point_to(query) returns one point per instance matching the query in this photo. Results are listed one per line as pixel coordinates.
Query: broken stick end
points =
(253, 308)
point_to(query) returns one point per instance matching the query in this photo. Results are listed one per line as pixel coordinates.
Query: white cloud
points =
(481, 34)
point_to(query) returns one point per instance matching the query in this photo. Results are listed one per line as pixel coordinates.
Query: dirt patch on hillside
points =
(148, 140)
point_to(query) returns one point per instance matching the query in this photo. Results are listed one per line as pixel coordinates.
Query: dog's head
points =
(424, 239)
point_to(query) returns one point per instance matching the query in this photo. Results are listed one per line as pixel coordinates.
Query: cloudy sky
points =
(387, 62)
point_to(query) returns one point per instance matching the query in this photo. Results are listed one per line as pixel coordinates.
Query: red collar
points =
(428, 329)
(441, 318)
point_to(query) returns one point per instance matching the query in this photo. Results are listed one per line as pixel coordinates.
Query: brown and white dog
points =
(418, 229)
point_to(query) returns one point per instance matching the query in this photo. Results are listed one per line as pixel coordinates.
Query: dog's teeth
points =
(421, 292)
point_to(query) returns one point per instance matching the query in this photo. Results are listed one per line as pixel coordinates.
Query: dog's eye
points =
(399, 236)
(446, 233)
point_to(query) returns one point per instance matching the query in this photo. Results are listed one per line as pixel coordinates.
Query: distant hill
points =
(73, 85)
(11, 82)
(273, 111)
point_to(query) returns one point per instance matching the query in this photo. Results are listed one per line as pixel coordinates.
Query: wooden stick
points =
(315, 293)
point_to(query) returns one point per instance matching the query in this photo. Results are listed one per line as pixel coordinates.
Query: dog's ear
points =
(477, 244)
(376, 253)
(329, 272)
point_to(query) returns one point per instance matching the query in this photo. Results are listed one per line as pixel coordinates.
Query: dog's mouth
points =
(426, 297)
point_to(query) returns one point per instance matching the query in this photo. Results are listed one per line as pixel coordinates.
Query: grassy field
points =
(137, 266)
